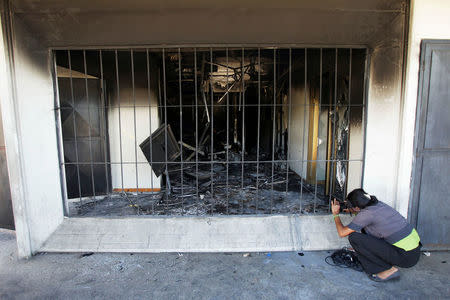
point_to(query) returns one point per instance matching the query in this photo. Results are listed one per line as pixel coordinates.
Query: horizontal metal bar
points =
(215, 105)
(206, 47)
(212, 162)
(433, 150)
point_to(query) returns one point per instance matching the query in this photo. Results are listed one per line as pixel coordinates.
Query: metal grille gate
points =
(223, 130)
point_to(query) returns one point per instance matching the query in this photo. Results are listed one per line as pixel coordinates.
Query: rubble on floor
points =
(220, 191)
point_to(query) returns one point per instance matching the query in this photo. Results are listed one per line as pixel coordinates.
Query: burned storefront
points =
(209, 130)
(151, 126)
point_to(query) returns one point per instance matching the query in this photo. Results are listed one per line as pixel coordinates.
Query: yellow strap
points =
(410, 242)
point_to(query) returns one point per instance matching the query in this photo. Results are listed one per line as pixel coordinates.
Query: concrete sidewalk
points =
(284, 275)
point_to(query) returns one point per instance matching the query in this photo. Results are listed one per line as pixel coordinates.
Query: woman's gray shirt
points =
(382, 221)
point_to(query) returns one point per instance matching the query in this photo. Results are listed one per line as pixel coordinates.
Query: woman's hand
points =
(335, 207)
(341, 229)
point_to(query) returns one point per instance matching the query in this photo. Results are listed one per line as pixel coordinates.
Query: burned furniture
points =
(159, 148)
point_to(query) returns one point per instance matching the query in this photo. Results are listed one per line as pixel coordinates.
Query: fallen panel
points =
(154, 149)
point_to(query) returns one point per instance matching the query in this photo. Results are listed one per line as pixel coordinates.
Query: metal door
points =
(430, 210)
(6, 212)
(84, 138)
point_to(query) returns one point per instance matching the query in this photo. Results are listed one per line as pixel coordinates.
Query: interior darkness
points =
(232, 100)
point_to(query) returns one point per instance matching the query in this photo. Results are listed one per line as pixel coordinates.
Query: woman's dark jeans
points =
(377, 255)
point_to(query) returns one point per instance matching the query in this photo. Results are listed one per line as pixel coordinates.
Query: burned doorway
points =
(195, 131)
(82, 118)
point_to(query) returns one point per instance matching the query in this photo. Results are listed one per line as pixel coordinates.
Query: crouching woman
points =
(382, 238)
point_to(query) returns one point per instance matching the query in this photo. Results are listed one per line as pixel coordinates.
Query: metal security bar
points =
(209, 130)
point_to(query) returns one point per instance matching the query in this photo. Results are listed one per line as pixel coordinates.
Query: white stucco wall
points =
(355, 152)
(298, 143)
(30, 138)
(125, 138)
(383, 114)
(429, 20)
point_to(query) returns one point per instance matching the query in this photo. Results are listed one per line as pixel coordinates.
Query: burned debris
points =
(160, 147)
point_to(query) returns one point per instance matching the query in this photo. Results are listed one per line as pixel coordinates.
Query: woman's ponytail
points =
(359, 198)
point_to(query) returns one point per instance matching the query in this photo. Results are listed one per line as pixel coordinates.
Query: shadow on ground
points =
(284, 275)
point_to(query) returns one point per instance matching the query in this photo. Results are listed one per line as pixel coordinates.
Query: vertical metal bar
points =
(181, 128)
(304, 125)
(212, 131)
(196, 126)
(135, 126)
(160, 103)
(59, 134)
(228, 137)
(109, 106)
(259, 127)
(348, 119)
(74, 126)
(289, 123)
(273, 125)
(89, 122)
(320, 106)
(165, 125)
(243, 127)
(150, 125)
(102, 95)
(365, 108)
(333, 143)
(120, 119)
